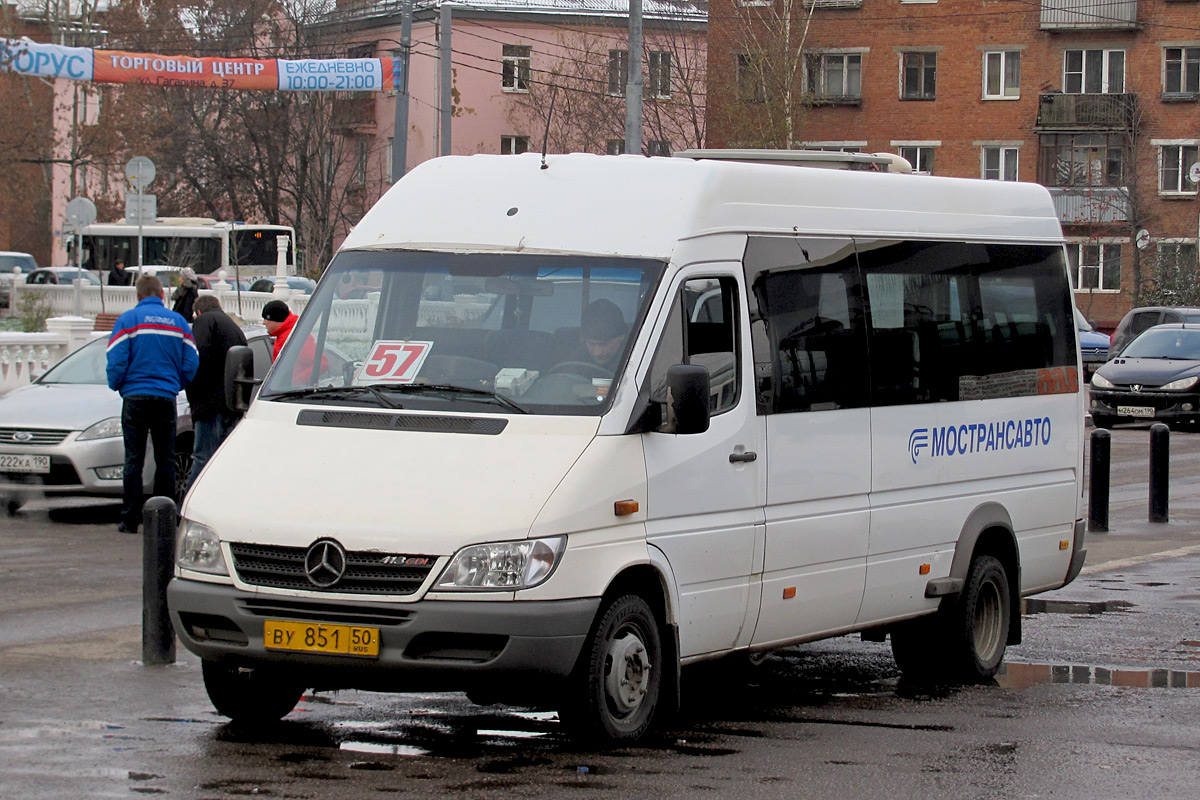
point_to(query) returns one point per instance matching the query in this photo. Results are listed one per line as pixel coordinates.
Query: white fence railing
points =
(24, 356)
(57, 300)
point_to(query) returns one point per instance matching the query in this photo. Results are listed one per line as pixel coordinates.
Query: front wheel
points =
(617, 684)
(252, 696)
(1104, 421)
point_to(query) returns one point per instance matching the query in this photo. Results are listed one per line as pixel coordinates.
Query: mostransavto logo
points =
(979, 437)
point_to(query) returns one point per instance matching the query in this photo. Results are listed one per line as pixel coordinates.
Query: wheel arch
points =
(989, 531)
(654, 583)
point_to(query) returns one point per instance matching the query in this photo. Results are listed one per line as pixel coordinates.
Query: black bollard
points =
(1099, 470)
(158, 565)
(1160, 471)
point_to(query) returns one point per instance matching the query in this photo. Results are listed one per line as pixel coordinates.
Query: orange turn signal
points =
(924, 569)
(623, 507)
(1064, 544)
(789, 593)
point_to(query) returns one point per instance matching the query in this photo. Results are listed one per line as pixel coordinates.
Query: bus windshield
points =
(501, 333)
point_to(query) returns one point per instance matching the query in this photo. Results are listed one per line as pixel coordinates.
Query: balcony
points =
(1085, 112)
(1090, 205)
(354, 112)
(1075, 15)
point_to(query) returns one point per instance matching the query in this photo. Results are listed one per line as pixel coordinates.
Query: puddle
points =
(1022, 676)
(1038, 605)
(378, 748)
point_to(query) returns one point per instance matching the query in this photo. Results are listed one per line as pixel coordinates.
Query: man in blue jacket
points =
(151, 357)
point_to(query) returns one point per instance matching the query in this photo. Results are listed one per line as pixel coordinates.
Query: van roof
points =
(642, 207)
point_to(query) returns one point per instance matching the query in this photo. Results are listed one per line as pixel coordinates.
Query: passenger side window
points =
(961, 320)
(702, 330)
(807, 324)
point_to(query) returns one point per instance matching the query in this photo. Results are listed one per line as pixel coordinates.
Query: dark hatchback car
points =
(1144, 318)
(1156, 378)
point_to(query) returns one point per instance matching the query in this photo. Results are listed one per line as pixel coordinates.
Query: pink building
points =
(511, 60)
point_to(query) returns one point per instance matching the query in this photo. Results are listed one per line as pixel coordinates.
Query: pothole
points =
(1038, 605)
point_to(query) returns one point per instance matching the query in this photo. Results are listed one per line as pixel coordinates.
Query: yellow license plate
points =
(319, 637)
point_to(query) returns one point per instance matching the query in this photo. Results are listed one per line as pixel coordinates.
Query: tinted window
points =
(807, 322)
(957, 320)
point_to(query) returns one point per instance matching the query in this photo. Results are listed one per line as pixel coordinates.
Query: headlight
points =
(1179, 385)
(104, 429)
(200, 549)
(503, 565)
(1101, 381)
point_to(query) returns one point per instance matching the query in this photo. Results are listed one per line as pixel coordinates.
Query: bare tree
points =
(760, 84)
(585, 80)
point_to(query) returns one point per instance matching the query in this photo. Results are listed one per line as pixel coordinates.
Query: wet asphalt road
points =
(1102, 699)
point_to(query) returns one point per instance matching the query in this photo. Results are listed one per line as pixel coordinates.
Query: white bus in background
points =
(203, 244)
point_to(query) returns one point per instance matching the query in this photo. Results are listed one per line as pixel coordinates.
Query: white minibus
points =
(552, 428)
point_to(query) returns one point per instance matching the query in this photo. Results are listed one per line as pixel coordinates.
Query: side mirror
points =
(239, 378)
(687, 399)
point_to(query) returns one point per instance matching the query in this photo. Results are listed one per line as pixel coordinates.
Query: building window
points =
(1081, 159)
(1174, 163)
(358, 174)
(660, 74)
(999, 163)
(1094, 266)
(750, 84)
(1178, 256)
(1001, 75)
(515, 68)
(921, 157)
(658, 147)
(614, 147)
(1181, 74)
(1094, 71)
(835, 76)
(618, 72)
(513, 145)
(918, 76)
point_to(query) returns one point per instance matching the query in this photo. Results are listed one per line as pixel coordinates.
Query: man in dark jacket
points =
(212, 420)
(151, 357)
(118, 275)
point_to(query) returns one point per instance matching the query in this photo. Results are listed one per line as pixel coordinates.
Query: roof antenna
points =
(549, 115)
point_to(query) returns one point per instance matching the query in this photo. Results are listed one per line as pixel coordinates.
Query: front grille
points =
(367, 572)
(40, 438)
(279, 608)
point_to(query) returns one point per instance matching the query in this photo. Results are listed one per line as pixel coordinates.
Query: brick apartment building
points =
(1095, 99)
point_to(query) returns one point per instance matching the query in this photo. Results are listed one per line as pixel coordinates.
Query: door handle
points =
(742, 458)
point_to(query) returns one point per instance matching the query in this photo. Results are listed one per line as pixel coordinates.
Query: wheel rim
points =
(627, 672)
(989, 618)
(183, 469)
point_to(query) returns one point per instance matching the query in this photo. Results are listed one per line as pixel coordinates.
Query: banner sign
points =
(116, 66)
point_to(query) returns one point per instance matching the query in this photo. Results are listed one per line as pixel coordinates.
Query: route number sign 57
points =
(393, 362)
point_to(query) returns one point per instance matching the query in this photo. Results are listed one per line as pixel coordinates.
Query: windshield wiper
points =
(448, 388)
(316, 392)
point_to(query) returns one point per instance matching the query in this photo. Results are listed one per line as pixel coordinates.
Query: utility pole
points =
(445, 80)
(400, 126)
(633, 88)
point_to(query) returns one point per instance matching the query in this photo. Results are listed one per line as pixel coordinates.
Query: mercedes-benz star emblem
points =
(325, 563)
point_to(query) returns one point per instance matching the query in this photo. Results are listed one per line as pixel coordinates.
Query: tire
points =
(964, 641)
(252, 696)
(13, 504)
(183, 470)
(1104, 421)
(615, 691)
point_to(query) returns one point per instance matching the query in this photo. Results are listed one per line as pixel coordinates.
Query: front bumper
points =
(1156, 406)
(430, 645)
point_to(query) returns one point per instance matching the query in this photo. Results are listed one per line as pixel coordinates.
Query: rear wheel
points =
(252, 696)
(616, 688)
(965, 640)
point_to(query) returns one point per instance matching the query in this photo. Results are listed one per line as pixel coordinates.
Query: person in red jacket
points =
(279, 321)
